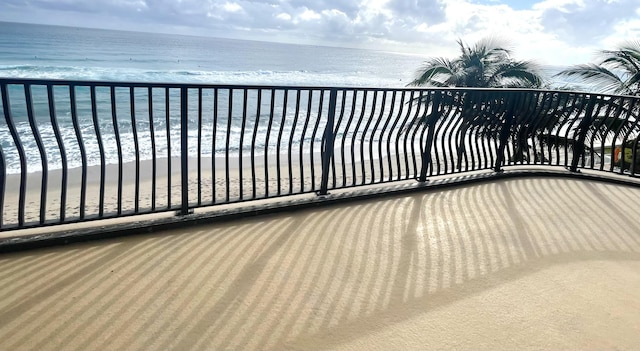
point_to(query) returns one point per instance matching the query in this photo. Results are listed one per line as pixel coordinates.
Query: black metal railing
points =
(77, 150)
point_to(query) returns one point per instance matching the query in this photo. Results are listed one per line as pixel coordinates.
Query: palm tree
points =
(616, 71)
(488, 64)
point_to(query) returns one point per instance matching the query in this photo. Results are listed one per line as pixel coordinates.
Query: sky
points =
(552, 32)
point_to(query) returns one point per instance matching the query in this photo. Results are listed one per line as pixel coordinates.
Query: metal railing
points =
(77, 150)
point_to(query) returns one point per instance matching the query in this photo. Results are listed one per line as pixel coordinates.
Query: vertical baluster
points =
(21, 153)
(314, 135)
(96, 126)
(199, 147)
(582, 130)
(374, 130)
(467, 113)
(243, 126)
(213, 145)
(116, 132)
(550, 110)
(416, 127)
(535, 120)
(336, 128)
(184, 150)
(596, 130)
(363, 138)
(167, 115)
(393, 129)
(3, 184)
(226, 151)
(609, 128)
(303, 136)
(451, 129)
(447, 115)
(256, 126)
(266, 145)
(577, 103)
(294, 124)
(356, 130)
(328, 141)
(483, 116)
(154, 162)
(345, 136)
(430, 124)
(41, 149)
(402, 131)
(63, 154)
(83, 153)
(136, 146)
(506, 128)
(280, 132)
(629, 131)
(385, 130)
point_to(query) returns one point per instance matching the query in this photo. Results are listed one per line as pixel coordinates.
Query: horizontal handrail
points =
(145, 84)
(82, 150)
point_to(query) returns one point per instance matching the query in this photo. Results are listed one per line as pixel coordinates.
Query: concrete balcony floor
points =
(528, 263)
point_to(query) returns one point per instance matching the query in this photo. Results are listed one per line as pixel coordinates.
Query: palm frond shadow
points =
(532, 123)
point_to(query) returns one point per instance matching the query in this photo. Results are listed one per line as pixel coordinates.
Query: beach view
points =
(463, 152)
(107, 130)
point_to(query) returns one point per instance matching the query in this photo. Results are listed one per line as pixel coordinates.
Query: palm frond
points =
(612, 123)
(491, 47)
(480, 65)
(626, 58)
(558, 141)
(633, 84)
(632, 50)
(516, 74)
(620, 61)
(600, 78)
(605, 126)
(434, 72)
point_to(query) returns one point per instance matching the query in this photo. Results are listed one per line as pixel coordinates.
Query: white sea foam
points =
(199, 143)
(259, 77)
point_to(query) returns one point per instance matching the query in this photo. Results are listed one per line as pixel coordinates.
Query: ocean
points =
(55, 52)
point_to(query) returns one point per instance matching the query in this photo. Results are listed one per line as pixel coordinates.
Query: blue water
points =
(37, 51)
(52, 52)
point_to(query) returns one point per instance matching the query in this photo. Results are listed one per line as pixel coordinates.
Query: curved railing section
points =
(78, 150)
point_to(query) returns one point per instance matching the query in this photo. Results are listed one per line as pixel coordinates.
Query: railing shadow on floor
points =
(325, 276)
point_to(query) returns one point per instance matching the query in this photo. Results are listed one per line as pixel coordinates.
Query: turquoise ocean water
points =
(53, 52)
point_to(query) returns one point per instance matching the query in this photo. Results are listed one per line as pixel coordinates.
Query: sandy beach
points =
(207, 185)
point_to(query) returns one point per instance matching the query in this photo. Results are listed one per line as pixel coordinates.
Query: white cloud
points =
(552, 31)
(232, 7)
(308, 15)
(284, 16)
(623, 30)
(584, 22)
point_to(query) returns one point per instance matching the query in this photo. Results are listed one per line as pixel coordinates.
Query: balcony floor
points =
(530, 263)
